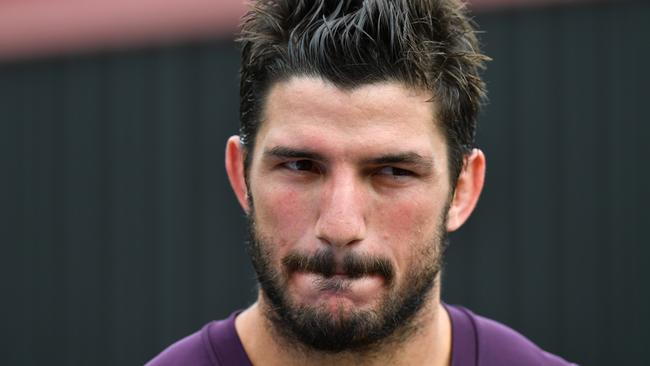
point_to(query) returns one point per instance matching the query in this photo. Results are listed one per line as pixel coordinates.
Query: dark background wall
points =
(119, 233)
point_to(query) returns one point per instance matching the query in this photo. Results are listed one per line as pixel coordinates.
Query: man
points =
(355, 159)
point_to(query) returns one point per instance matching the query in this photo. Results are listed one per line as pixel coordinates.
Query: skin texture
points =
(359, 171)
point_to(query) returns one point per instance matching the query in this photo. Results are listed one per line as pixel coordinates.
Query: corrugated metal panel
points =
(120, 234)
(555, 247)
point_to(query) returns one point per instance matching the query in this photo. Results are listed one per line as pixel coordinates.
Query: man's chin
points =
(339, 316)
(331, 327)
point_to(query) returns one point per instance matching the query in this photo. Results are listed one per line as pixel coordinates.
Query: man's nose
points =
(342, 211)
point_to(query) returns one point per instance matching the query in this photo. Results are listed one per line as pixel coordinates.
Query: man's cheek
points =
(284, 213)
(402, 218)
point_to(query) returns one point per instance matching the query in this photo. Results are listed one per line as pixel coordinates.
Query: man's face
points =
(349, 192)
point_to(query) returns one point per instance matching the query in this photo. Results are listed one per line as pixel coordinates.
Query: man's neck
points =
(430, 343)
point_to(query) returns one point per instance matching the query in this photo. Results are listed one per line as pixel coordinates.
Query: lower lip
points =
(356, 291)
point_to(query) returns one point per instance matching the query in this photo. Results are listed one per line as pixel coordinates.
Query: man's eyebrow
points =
(410, 157)
(288, 152)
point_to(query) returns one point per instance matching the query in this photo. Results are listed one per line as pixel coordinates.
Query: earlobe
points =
(468, 190)
(235, 170)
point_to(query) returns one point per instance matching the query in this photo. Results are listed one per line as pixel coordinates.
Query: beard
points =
(391, 320)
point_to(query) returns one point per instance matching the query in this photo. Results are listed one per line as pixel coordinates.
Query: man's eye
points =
(395, 172)
(301, 165)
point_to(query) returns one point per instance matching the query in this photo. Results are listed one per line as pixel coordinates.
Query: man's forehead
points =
(367, 93)
(317, 105)
(376, 124)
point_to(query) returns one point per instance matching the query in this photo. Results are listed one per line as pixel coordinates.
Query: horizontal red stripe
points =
(487, 4)
(32, 28)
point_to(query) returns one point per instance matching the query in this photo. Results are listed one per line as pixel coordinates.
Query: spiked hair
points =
(425, 44)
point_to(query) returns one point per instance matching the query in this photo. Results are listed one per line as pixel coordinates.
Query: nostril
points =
(340, 232)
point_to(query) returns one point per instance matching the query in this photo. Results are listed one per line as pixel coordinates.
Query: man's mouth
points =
(335, 284)
(327, 275)
(324, 265)
(339, 275)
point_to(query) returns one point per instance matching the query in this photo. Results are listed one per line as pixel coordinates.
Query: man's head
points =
(424, 44)
(354, 161)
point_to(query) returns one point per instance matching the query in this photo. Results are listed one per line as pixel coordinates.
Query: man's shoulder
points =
(509, 347)
(494, 343)
(217, 343)
(190, 350)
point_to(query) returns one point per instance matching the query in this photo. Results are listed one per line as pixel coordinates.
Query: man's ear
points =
(468, 189)
(235, 170)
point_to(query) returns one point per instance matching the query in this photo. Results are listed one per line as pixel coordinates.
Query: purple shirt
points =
(476, 341)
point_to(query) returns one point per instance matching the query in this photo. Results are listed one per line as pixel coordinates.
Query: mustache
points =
(353, 265)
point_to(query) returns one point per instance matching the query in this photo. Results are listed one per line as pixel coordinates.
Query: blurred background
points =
(119, 233)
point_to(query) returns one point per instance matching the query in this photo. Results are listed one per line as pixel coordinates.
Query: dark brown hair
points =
(427, 44)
